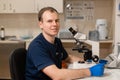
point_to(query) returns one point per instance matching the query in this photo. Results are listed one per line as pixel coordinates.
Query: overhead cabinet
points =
(6, 6)
(24, 6)
(17, 6)
(28, 6)
(57, 4)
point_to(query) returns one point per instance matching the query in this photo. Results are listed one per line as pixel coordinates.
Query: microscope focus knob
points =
(95, 58)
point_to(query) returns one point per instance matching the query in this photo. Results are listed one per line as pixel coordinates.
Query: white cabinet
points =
(6, 6)
(29, 6)
(24, 6)
(17, 6)
(57, 4)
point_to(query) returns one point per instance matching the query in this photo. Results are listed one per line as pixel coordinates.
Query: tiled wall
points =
(20, 24)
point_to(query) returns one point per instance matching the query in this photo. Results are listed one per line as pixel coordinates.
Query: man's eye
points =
(56, 20)
(50, 21)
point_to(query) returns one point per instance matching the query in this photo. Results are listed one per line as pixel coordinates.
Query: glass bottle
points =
(2, 30)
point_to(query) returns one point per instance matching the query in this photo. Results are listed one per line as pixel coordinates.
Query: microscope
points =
(81, 48)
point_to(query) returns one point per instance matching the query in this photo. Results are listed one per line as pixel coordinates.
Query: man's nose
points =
(54, 23)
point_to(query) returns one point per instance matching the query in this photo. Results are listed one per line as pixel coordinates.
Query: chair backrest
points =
(17, 62)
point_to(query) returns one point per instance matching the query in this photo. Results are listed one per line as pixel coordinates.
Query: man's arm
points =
(68, 74)
(65, 74)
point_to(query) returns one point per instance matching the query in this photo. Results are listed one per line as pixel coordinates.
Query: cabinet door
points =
(2, 6)
(6, 6)
(24, 6)
(117, 25)
(57, 4)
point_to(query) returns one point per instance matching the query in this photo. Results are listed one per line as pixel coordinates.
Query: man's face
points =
(50, 23)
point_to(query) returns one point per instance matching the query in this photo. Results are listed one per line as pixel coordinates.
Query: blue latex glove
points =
(102, 61)
(97, 70)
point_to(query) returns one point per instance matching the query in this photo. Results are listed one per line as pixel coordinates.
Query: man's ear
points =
(40, 24)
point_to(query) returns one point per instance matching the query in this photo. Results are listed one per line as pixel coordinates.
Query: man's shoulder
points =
(57, 39)
(37, 41)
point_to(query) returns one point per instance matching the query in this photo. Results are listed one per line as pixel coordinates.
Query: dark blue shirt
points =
(41, 54)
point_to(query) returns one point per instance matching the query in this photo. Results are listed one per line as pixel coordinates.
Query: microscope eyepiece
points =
(72, 31)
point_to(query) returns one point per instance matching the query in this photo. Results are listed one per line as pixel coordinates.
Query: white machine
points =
(114, 59)
(101, 26)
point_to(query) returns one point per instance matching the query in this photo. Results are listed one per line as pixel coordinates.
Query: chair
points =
(17, 61)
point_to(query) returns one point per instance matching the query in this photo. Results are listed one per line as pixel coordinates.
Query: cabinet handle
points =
(14, 11)
(10, 6)
(37, 7)
(4, 7)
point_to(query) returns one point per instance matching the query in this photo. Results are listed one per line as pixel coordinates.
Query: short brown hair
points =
(51, 9)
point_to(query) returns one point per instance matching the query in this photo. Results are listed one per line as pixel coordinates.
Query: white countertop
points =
(8, 41)
(109, 74)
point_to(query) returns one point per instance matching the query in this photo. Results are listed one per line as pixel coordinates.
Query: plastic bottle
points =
(2, 31)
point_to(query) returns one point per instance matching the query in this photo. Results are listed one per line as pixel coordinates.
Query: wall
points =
(19, 24)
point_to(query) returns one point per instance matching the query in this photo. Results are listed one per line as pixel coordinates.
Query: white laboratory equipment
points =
(101, 26)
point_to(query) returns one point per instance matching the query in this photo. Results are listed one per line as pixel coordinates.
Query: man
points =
(45, 53)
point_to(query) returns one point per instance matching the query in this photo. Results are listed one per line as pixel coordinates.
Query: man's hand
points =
(97, 70)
